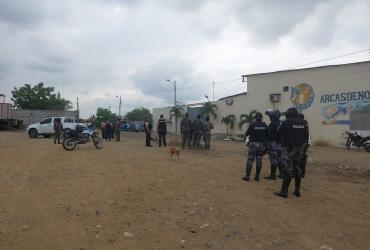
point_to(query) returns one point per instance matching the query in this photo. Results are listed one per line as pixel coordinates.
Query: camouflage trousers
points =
(207, 139)
(274, 151)
(255, 152)
(186, 138)
(196, 138)
(292, 161)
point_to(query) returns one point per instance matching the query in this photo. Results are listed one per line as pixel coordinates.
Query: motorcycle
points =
(81, 136)
(355, 139)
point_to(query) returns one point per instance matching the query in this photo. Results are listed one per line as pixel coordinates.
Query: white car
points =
(46, 126)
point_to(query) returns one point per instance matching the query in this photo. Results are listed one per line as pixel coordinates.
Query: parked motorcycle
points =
(81, 136)
(355, 139)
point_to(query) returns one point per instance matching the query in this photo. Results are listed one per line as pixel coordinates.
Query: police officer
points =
(197, 129)
(58, 129)
(162, 130)
(303, 162)
(185, 128)
(293, 134)
(148, 132)
(207, 127)
(274, 147)
(258, 136)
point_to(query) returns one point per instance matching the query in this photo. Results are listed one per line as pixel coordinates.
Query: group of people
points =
(286, 143)
(192, 131)
(111, 130)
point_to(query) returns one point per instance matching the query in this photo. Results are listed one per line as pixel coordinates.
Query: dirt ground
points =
(127, 196)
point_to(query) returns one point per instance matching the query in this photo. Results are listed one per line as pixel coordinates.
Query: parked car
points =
(46, 126)
(125, 127)
(136, 126)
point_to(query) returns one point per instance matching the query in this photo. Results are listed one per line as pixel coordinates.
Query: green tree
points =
(229, 121)
(247, 118)
(102, 114)
(208, 109)
(39, 97)
(138, 114)
(177, 112)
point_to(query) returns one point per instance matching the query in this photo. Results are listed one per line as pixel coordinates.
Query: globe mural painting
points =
(302, 96)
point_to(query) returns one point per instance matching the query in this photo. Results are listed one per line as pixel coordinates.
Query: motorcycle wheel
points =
(367, 147)
(98, 143)
(348, 144)
(69, 144)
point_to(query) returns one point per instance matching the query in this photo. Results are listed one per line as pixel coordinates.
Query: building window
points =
(286, 88)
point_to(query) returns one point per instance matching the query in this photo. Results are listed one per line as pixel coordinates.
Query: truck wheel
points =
(33, 133)
(47, 136)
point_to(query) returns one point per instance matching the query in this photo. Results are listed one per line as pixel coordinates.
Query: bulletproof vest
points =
(186, 124)
(197, 125)
(162, 124)
(294, 132)
(258, 132)
(273, 130)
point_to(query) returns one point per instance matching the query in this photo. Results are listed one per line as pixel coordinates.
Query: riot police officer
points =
(293, 134)
(303, 161)
(274, 146)
(258, 136)
(162, 130)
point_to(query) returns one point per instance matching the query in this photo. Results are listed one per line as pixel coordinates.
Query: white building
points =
(333, 98)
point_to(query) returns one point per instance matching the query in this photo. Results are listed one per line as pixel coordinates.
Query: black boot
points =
(258, 171)
(297, 191)
(273, 173)
(247, 173)
(280, 167)
(284, 187)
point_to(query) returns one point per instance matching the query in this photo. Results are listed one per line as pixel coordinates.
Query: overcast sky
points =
(100, 49)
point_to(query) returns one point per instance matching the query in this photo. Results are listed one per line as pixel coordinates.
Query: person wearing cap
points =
(258, 136)
(274, 146)
(162, 130)
(197, 129)
(185, 128)
(293, 134)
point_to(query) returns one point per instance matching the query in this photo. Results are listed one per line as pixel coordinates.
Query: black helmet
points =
(291, 112)
(258, 116)
(301, 116)
(273, 114)
(161, 116)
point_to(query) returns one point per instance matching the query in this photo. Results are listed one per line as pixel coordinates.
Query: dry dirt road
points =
(126, 196)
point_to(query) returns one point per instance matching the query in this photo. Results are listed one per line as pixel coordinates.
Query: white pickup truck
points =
(46, 126)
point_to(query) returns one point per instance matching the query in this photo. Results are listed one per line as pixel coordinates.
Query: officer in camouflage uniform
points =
(274, 146)
(58, 129)
(207, 127)
(197, 129)
(258, 136)
(185, 127)
(293, 134)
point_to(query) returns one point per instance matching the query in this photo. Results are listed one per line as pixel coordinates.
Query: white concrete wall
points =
(327, 120)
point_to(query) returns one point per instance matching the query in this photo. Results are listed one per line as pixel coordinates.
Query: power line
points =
(323, 60)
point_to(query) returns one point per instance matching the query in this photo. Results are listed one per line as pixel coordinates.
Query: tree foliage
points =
(138, 114)
(39, 97)
(102, 115)
(229, 121)
(247, 118)
(177, 112)
(208, 109)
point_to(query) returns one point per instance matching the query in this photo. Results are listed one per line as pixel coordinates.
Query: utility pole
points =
(119, 107)
(175, 102)
(78, 109)
(213, 87)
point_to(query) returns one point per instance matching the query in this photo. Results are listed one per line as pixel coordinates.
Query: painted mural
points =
(302, 96)
(338, 106)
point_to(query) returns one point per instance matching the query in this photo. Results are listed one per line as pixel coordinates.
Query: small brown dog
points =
(174, 152)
